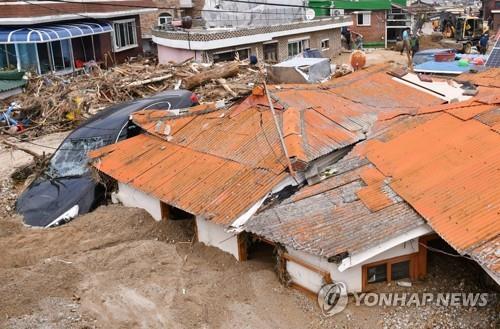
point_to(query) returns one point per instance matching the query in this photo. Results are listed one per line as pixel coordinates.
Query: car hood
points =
(46, 200)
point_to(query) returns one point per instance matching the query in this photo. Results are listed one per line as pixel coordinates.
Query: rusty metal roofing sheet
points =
(488, 254)
(203, 184)
(328, 219)
(374, 197)
(488, 78)
(217, 163)
(448, 170)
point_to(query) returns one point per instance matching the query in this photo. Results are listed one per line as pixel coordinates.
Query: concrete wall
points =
(352, 277)
(209, 233)
(214, 235)
(314, 42)
(131, 197)
(168, 54)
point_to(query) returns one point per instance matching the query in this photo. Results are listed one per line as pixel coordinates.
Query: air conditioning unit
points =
(337, 12)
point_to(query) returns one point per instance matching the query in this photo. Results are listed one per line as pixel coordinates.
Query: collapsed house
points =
(339, 213)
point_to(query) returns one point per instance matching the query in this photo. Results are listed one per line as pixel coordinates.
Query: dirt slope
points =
(113, 269)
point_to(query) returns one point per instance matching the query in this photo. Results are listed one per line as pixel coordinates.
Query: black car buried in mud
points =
(66, 188)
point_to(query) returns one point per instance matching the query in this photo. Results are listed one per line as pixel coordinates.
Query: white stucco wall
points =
(130, 197)
(352, 276)
(215, 235)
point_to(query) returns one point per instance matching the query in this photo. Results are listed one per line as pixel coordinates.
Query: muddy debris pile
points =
(54, 103)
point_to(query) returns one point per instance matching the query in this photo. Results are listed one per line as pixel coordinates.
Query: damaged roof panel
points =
(328, 218)
(447, 168)
(217, 163)
(196, 182)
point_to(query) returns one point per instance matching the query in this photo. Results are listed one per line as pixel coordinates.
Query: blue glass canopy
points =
(46, 33)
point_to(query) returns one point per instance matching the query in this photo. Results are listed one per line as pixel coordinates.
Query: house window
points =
(164, 19)
(325, 44)
(28, 58)
(231, 55)
(377, 273)
(400, 270)
(270, 52)
(125, 36)
(8, 58)
(364, 19)
(296, 47)
(388, 270)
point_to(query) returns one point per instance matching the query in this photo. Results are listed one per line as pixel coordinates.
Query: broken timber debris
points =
(54, 103)
(223, 71)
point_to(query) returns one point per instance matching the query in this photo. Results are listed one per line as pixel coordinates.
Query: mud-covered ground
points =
(118, 268)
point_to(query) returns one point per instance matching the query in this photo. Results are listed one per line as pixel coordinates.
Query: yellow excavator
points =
(461, 32)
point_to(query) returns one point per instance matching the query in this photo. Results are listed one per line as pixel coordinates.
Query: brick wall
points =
(106, 46)
(151, 20)
(376, 31)
(50, 9)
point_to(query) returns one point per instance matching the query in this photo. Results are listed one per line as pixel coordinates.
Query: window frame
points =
(301, 45)
(363, 13)
(233, 53)
(412, 270)
(328, 44)
(9, 55)
(117, 34)
(167, 16)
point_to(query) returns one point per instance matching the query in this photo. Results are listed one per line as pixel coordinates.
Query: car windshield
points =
(71, 158)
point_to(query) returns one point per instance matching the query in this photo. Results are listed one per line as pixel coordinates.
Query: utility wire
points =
(169, 8)
(280, 4)
(445, 253)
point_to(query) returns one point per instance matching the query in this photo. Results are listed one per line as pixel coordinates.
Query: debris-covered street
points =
(250, 164)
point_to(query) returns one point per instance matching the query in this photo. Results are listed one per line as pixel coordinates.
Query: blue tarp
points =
(448, 67)
(46, 33)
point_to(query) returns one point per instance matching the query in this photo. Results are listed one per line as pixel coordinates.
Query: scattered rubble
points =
(54, 103)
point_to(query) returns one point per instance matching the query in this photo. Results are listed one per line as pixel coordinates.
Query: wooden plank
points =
(242, 247)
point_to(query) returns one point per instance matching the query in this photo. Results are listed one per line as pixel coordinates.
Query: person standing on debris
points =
(483, 44)
(414, 44)
(407, 47)
(406, 41)
(346, 33)
(490, 22)
(358, 41)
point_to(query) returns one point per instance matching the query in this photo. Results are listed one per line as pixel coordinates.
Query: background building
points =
(63, 37)
(380, 22)
(270, 32)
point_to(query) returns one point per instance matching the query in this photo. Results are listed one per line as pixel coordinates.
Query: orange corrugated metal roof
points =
(218, 163)
(448, 169)
(200, 183)
(374, 198)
